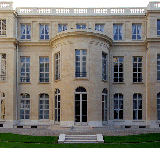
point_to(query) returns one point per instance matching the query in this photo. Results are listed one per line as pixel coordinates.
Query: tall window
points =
(80, 63)
(136, 32)
(25, 31)
(158, 106)
(158, 66)
(57, 105)
(137, 107)
(99, 27)
(2, 66)
(44, 69)
(25, 69)
(104, 104)
(57, 66)
(79, 26)
(117, 32)
(44, 106)
(25, 106)
(44, 32)
(104, 66)
(62, 27)
(118, 69)
(2, 105)
(118, 106)
(158, 27)
(137, 69)
(2, 27)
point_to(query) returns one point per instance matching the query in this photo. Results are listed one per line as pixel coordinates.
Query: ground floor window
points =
(118, 106)
(2, 106)
(104, 104)
(25, 106)
(44, 106)
(158, 106)
(57, 105)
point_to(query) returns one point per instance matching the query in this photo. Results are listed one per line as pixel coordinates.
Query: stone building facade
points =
(80, 66)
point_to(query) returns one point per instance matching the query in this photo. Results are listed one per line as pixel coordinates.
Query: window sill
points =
(137, 82)
(44, 120)
(25, 83)
(138, 120)
(86, 79)
(25, 39)
(3, 35)
(44, 40)
(118, 120)
(44, 83)
(118, 83)
(3, 81)
(137, 40)
(105, 81)
(57, 80)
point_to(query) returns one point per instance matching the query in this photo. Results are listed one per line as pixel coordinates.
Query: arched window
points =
(25, 106)
(158, 106)
(137, 106)
(2, 107)
(104, 104)
(118, 106)
(44, 106)
(80, 89)
(57, 105)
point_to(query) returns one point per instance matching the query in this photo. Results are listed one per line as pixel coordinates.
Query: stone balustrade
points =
(6, 5)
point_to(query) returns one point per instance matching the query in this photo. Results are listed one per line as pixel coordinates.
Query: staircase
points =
(98, 138)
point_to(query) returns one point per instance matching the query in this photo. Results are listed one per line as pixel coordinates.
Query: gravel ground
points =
(68, 131)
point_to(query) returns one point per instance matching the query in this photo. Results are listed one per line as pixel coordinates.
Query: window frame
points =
(104, 105)
(158, 31)
(81, 26)
(158, 60)
(57, 66)
(118, 27)
(44, 34)
(57, 106)
(61, 27)
(3, 58)
(100, 27)
(1, 30)
(2, 98)
(104, 65)
(140, 34)
(26, 32)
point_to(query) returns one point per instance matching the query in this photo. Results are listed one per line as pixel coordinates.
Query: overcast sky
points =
(80, 3)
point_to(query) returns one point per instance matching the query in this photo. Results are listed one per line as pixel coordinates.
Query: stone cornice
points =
(129, 43)
(29, 43)
(14, 40)
(147, 40)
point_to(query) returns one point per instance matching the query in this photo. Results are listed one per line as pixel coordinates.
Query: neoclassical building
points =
(80, 66)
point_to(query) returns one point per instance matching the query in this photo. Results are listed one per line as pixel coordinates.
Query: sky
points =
(80, 3)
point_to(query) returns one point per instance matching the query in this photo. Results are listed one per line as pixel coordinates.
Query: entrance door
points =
(80, 108)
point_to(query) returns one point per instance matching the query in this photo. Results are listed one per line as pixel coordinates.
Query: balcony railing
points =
(80, 74)
(6, 5)
(43, 79)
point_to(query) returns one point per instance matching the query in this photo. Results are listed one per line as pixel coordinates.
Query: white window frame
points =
(57, 106)
(62, 27)
(116, 61)
(136, 106)
(45, 78)
(2, 31)
(140, 32)
(2, 71)
(81, 26)
(104, 104)
(43, 105)
(81, 73)
(120, 31)
(43, 26)
(25, 106)
(158, 67)
(25, 70)
(25, 34)
(104, 66)
(57, 66)
(2, 98)
(139, 79)
(99, 27)
(118, 106)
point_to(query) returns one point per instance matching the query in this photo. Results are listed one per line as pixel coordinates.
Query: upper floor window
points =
(158, 27)
(62, 27)
(44, 32)
(118, 69)
(2, 66)
(57, 66)
(136, 32)
(99, 27)
(158, 66)
(117, 32)
(80, 63)
(104, 66)
(79, 26)
(25, 69)
(44, 69)
(137, 69)
(25, 31)
(2, 27)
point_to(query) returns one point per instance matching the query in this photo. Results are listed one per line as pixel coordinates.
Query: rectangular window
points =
(118, 106)
(158, 106)
(137, 69)
(25, 69)
(117, 32)
(44, 32)
(99, 27)
(158, 27)
(104, 66)
(2, 67)
(158, 67)
(137, 107)
(80, 63)
(136, 32)
(62, 27)
(118, 69)
(2, 27)
(57, 66)
(79, 26)
(44, 69)
(25, 31)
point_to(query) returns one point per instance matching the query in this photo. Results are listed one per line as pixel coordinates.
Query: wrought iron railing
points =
(80, 74)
